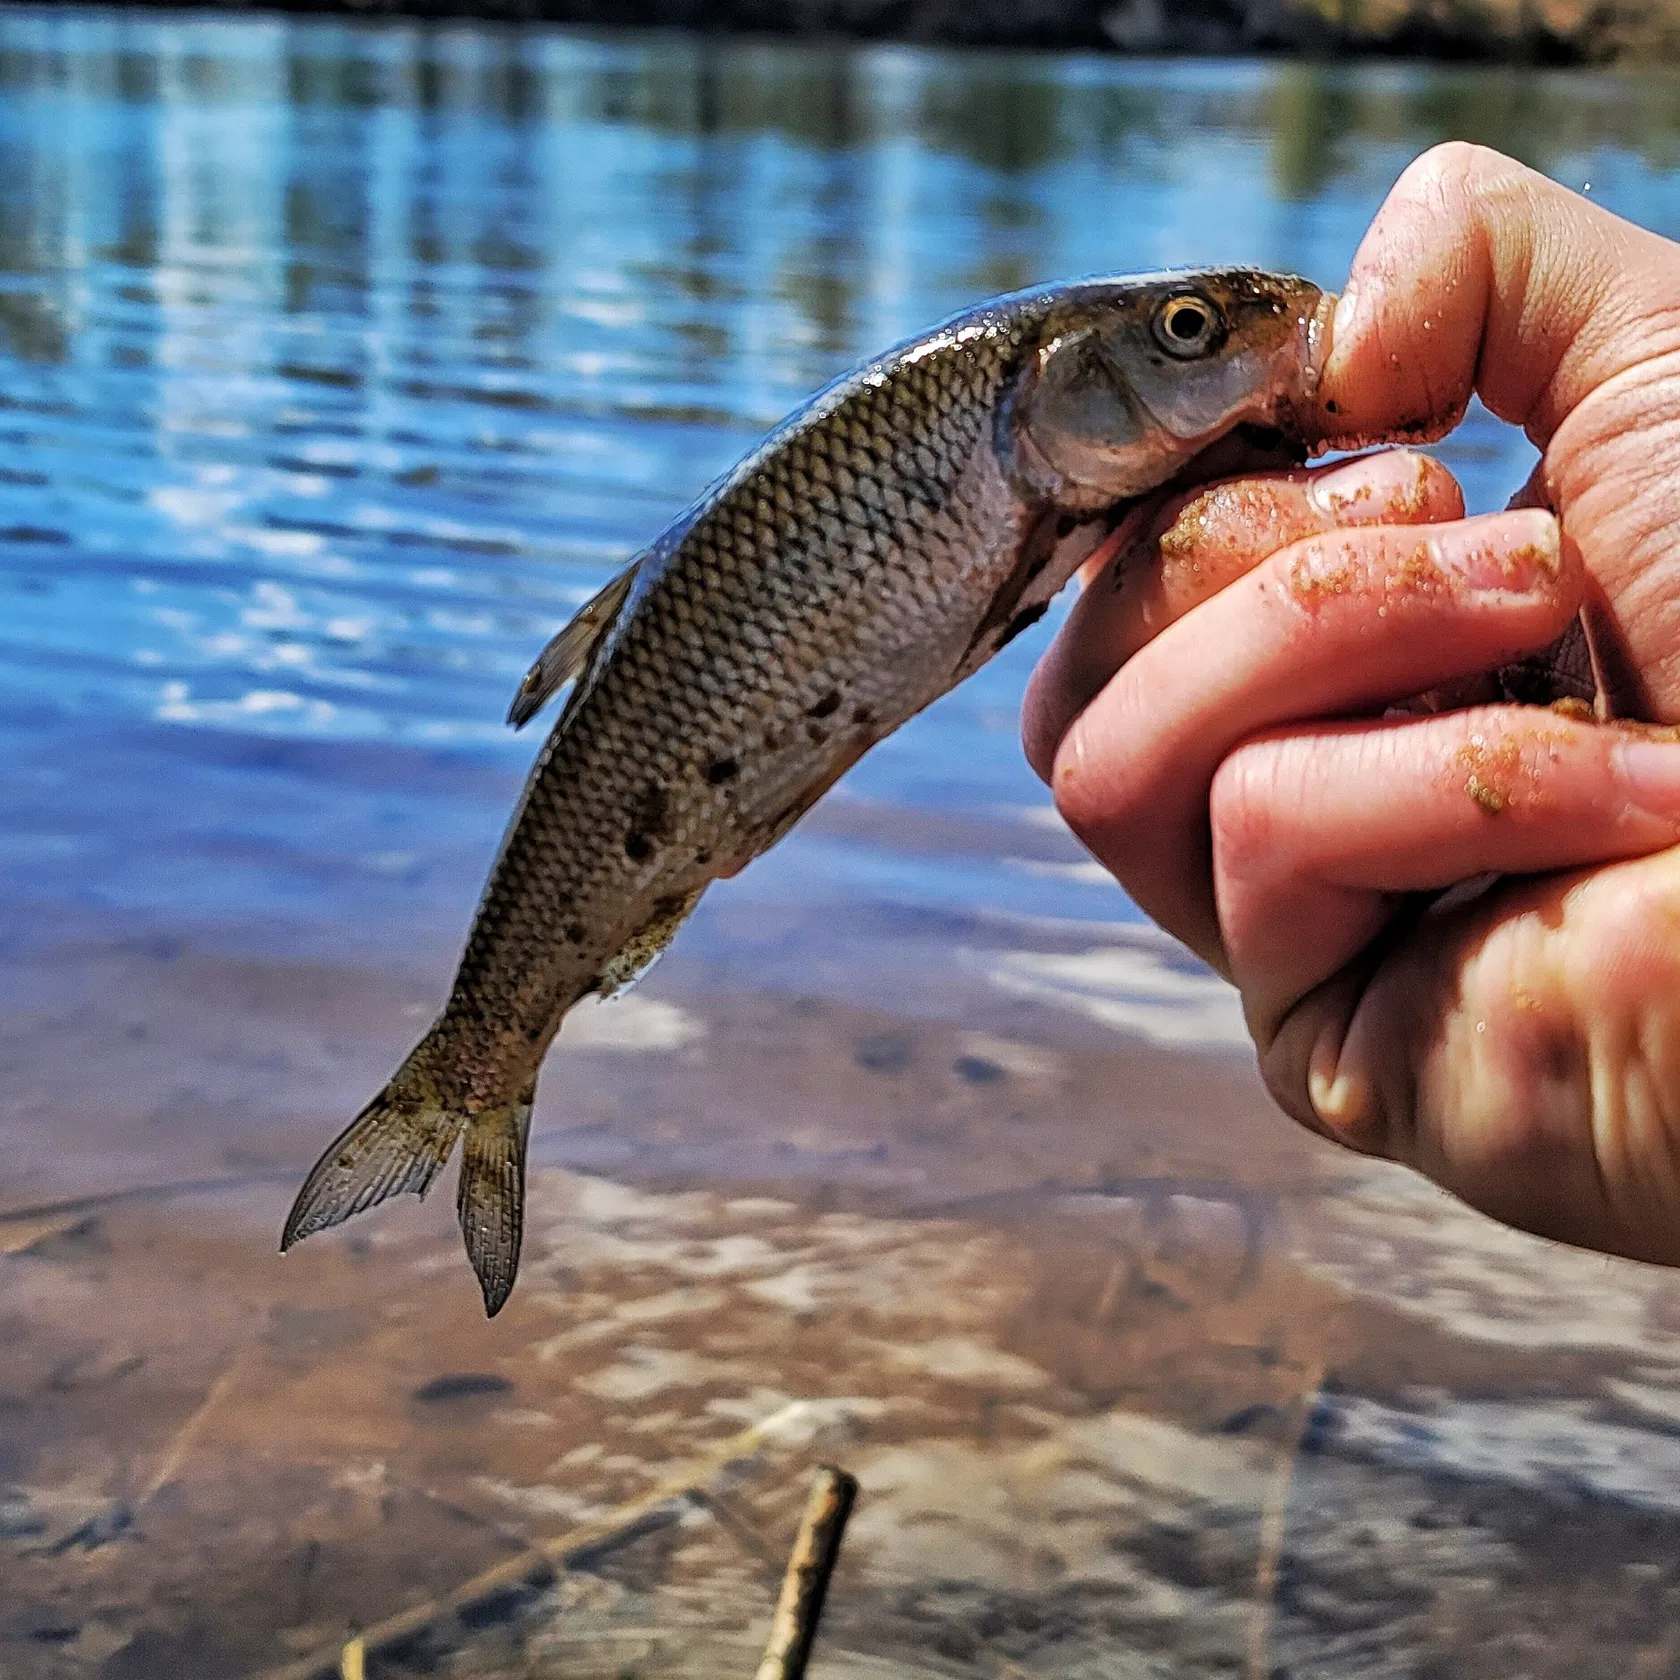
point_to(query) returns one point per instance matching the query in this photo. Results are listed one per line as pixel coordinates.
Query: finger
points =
(1196, 544)
(1341, 623)
(1479, 274)
(1521, 1051)
(1318, 833)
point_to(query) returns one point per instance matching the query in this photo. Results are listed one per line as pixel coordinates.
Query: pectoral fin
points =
(565, 659)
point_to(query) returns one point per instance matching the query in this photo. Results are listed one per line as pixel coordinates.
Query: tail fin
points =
(490, 1198)
(400, 1142)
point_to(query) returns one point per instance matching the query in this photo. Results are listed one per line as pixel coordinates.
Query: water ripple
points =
(339, 363)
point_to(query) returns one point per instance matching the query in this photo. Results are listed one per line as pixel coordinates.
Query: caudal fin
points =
(389, 1148)
(490, 1199)
(400, 1142)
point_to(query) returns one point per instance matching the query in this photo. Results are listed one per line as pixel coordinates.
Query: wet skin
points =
(1237, 772)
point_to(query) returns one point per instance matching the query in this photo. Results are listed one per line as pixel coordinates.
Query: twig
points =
(816, 1549)
(175, 1454)
(19, 1236)
(1109, 1299)
(145, 1193)
(738, 1528)
(537, 1565)
(1274, 1516)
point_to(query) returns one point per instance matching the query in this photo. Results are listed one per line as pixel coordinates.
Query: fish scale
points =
(878, 547)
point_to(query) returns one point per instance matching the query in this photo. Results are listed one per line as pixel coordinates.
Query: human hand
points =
(1521, 1047)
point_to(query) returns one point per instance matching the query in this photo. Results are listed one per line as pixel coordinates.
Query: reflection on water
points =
(337, 365)
(343, 363)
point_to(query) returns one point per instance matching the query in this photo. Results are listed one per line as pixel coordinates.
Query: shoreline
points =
(1521, 33)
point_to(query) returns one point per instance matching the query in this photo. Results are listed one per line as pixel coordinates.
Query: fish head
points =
(1127, 381)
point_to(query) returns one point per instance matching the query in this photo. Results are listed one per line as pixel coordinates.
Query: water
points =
(338, 364)
(342, 363)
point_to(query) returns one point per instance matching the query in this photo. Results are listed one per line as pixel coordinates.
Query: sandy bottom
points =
(1137, 1381)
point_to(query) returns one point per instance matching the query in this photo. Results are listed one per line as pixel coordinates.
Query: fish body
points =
(879, 546)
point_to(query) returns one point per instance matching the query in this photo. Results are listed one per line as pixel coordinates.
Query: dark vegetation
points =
(1515, 31)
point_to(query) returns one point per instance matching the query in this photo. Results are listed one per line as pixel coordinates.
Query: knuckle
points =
(1451, 173)
(1086, 797)
(1111, 768)
(1244, 811)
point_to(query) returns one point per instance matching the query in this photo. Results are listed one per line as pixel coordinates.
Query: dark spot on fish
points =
(816, 734)
(1332, 406)
(462, 1385)
(825, 707)
(575, 931)
(1065, 525)
(649, 820)
(1023, 620)
(978, 1070)
(722, 770)
(667, 906)
(863, 715)
(887, 1052)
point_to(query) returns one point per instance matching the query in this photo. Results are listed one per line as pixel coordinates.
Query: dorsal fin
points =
(565, 658)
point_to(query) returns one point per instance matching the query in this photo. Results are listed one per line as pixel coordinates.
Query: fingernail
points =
(1347, 312)
(1505, 553)
(1650, 771)
(1370, 489)
(1338, 1098)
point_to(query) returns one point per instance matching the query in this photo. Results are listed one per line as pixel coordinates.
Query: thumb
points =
(1479, 274)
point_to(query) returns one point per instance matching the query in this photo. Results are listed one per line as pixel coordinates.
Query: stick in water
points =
(816, 1549)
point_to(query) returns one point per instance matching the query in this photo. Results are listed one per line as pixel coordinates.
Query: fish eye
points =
(1186, 325)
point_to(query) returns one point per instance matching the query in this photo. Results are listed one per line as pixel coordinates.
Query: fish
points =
(878, 547)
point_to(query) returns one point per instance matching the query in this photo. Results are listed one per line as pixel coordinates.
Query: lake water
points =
(343, 363)
(338, 364)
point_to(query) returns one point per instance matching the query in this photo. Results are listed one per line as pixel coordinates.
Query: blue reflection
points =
(339, 363)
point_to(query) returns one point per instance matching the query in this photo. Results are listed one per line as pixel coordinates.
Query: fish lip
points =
(1296, 408)
(1316, 335)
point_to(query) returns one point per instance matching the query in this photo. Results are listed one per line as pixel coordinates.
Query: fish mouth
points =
(1313, 341)
(1249, 447)
(1281, 442)
(1316, 334)
(1280, 428)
